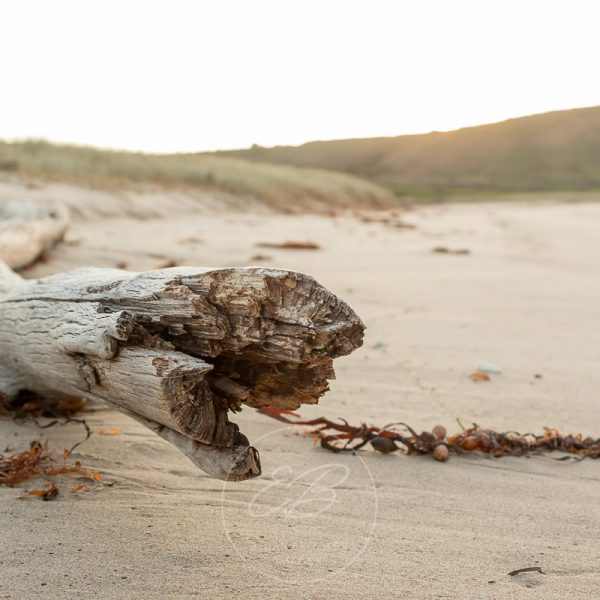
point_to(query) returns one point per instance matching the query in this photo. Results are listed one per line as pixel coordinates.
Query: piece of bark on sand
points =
(176, 349)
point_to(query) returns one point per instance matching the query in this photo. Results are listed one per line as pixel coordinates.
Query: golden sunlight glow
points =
(191, 75)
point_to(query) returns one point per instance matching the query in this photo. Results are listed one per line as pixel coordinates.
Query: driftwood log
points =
(29, 229)
(176, 349)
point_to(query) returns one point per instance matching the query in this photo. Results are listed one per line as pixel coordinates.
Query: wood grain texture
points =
(179, 349)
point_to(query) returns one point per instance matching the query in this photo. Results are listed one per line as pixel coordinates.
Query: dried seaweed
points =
(40, 462)
(479, 376)
(290, 245)
(454, 251)
(343, 437)
(112, 431)
(47, 493)
(28, 405)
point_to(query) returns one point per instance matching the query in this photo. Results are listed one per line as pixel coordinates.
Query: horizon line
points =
(17, 140)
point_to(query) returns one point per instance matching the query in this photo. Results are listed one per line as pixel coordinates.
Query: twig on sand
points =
(527, 570)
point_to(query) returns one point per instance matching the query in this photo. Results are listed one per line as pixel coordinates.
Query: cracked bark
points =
(177, 349)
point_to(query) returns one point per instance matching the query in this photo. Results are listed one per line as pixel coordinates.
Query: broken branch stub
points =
(177, 348)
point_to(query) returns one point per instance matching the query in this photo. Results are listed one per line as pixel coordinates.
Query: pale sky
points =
(187, 75)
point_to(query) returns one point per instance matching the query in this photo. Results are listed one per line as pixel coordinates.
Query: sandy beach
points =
(319, 525)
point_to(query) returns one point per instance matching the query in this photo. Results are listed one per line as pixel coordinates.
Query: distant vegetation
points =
(555, 154)
(557, 151)
(280, 187)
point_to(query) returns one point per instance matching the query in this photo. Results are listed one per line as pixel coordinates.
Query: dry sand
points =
(319, 525)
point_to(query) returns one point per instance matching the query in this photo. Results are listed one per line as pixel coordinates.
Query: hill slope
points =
(552, 151)
(283, 188)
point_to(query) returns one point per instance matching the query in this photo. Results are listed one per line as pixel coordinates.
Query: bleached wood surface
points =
(177, 349)
(28, 229)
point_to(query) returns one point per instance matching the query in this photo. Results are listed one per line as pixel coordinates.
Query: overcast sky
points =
(183, 75)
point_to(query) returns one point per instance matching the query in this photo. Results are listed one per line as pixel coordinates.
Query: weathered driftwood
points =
(28, 229)
(177, 349)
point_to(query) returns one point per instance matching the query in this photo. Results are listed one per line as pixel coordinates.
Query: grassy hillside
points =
(554, 151)
(280, 187)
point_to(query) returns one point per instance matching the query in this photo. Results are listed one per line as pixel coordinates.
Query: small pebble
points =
(489, 368)
(439, 431)
(383, 444)
(440, 453)
(469, 443)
